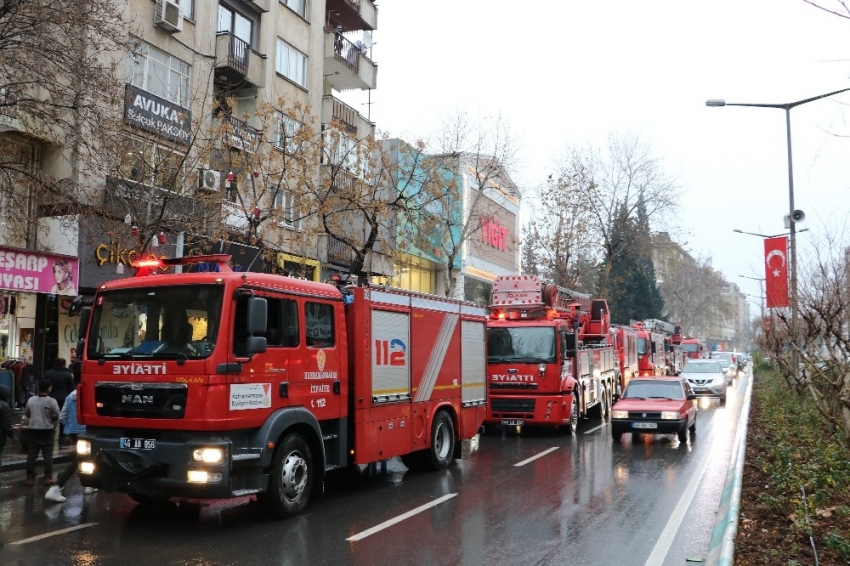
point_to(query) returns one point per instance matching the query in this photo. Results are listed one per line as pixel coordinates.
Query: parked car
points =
(655, 405)
(706, 377)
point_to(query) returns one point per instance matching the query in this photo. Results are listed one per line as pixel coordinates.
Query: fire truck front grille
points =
(512, 407)
(141, 400)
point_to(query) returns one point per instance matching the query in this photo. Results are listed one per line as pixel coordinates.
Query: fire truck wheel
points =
(291, 478)
(574, 414)
(442, 450)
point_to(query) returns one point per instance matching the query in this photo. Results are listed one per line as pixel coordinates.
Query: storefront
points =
(33, 286)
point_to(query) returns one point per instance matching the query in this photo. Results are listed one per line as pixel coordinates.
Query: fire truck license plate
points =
(138, 443)
(644, 425)
(513, 422)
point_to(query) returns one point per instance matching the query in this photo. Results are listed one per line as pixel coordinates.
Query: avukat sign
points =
(776, 271)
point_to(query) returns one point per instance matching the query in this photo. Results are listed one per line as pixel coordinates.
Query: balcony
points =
(237, 134)
(260, 5)
(346, 66)
(354, 14)
(353, 124)
(338, 252)
(236, 64)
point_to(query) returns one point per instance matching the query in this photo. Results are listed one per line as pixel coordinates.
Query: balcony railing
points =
(339, 253)
(236, 62)
(345, 114)
(240, 135)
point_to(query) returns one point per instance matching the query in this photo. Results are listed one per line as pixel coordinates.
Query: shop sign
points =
(156, 114)
(25, 270)
(115, 253)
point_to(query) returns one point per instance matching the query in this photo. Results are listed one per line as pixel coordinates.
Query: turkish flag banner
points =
(776, 271)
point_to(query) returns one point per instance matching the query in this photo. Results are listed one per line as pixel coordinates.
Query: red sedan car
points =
(655, 405)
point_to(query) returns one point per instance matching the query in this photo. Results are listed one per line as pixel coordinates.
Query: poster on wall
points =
(25, 350)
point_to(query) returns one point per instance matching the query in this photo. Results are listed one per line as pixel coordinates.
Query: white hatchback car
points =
(706, 378)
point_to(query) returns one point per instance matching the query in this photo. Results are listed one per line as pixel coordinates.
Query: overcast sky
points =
(573, 71)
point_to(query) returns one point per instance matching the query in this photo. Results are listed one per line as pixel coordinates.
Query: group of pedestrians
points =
(41, 417)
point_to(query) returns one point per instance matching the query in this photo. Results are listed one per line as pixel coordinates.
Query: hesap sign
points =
(155, 114)
(23, 270)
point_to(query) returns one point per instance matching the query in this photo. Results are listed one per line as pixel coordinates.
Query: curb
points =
(722, 547)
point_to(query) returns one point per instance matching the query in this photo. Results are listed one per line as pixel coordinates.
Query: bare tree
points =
(823, 344)
(483, 156)
(842, 10)
(60, 73)
(611, 182)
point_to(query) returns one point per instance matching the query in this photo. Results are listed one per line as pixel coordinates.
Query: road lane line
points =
(665, 541)
(54, 533)
(533, 458)
(400, 518)
(594, 429)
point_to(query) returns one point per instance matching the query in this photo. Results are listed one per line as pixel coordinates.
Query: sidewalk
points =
(14, 457)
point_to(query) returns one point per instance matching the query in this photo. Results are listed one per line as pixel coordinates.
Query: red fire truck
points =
(650, 349)
(692, 347)
(674, 358)
(223, 384)
(624, 341)
(548, 357)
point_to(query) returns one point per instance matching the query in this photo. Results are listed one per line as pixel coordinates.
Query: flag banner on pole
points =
(776, 271)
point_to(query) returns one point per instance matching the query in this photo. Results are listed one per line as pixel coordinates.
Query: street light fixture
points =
(791, 211)
(765, 235)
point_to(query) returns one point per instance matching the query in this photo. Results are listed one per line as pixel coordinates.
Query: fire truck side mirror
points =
(257, 322)
(85, 315)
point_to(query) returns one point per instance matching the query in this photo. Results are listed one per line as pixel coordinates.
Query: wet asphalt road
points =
(529, 498)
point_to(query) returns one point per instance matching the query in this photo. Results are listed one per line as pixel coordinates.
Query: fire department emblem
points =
(320, 360)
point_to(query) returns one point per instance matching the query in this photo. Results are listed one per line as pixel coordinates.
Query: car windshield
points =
(702, 367)
(521, 344)
(645, 389)
(155, 323)
(723, 363)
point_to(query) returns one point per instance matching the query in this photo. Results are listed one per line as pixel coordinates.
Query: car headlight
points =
(670, 416)
(83, 448)
(208, 455)
(619, 414)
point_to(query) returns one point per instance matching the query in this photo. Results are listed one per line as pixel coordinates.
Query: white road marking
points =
(400, 518)
(594, 429)
(54, 533)
(658, 554)
(533, 458)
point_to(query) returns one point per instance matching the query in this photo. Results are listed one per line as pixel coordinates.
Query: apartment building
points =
(228, 118)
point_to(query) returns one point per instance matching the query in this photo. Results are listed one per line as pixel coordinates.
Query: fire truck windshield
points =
(155, 323)
(689, 347)
(531, 344)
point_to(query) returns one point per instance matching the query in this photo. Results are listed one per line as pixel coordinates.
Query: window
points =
(297, 6)
(291, 63)
(282, 323)
(188, 7)
(287, 202)
(286, 130)
(237, 24)
(152, 164)
(159, 73)
(319, 324)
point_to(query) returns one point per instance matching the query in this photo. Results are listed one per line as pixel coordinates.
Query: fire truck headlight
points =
(203, 476)
(86, 467)
(208, 455)
(670, 415)
(83, 448)
(541, 368)
(619, 414)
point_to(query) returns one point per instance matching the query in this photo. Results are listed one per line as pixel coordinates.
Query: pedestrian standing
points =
(62, 381)
(42, 414)
(72, 427)
(5, 418)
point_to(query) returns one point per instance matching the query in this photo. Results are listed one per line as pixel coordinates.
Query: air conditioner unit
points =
(168, 16)
(209, 180)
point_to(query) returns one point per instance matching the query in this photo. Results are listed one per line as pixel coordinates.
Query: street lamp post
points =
(793, 240)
